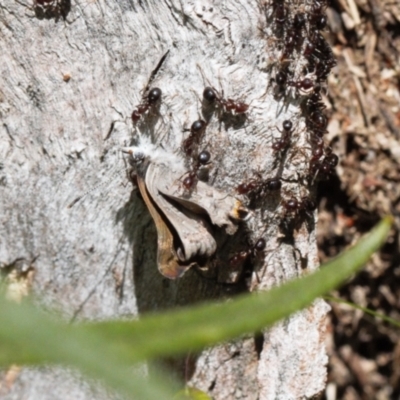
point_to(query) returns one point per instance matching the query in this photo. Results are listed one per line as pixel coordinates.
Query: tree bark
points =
(70, 79)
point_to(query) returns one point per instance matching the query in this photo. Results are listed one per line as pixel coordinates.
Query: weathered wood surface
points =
(67, 89)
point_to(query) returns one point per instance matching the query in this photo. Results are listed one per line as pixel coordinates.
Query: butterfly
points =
(184, 235)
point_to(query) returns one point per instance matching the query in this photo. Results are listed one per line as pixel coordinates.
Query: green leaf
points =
(106, 350)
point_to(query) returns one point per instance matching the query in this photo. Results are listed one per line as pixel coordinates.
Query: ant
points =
(192, 176)
(317, 51)
(284, 141)
(50, 9)
(324, 167)
(299, 21)
(309, 49)
(320, 56)
(317, 17)
(304, 206)
(153, 96)
(317, 144)
(313, 108)
(314, 101)
(150, 101)
(317, 122)
(322, 71)
(317, 44)
(196, 131)
(280, 79)
(258, 186)
(294, 35)
(321, 67)
(304, 86)
(211, 96)
(279, 15)
(295, 212)
(254, 251)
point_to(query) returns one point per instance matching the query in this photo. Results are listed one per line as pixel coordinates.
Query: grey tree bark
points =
(67, 90)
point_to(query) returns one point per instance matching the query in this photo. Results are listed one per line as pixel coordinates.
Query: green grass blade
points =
(105, 350)
(204, 325)
(29, 336)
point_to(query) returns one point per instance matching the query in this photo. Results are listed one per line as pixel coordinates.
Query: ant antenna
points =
(155, 71)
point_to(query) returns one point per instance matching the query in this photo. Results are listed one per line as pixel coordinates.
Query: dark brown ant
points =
(316, 16)
(317, 148)
(299, 21)
(258, 187)
(51, 9)
(295, 212)
(320, 56)
(325, 167)
(318, 122)
(151, 97)
(322, 70)
(304, 86)
(255, 250)
(304, 206)
(294, 36)
(190, 144)
(150, 101)
(313, 107)
(211, 96)
(321, 67)
(314, 100)
(284, 141)
(190, 181)
(309, 49)
(280, 79)
(279, 13)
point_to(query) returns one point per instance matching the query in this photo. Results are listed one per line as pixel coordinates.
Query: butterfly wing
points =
(193, 235)
(168, 263)
(222, 209)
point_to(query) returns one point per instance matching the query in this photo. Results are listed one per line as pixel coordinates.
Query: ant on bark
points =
(189, 145)
(211, 96)
(283, 143)
(151, 97)
(325, 167)
(191, 179)
(295, 212)
(50, 9)
(148, 102)
(255, 250)
(294, 207)
(257, 187)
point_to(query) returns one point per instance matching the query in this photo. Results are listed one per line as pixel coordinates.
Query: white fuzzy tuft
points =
(156, 154)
